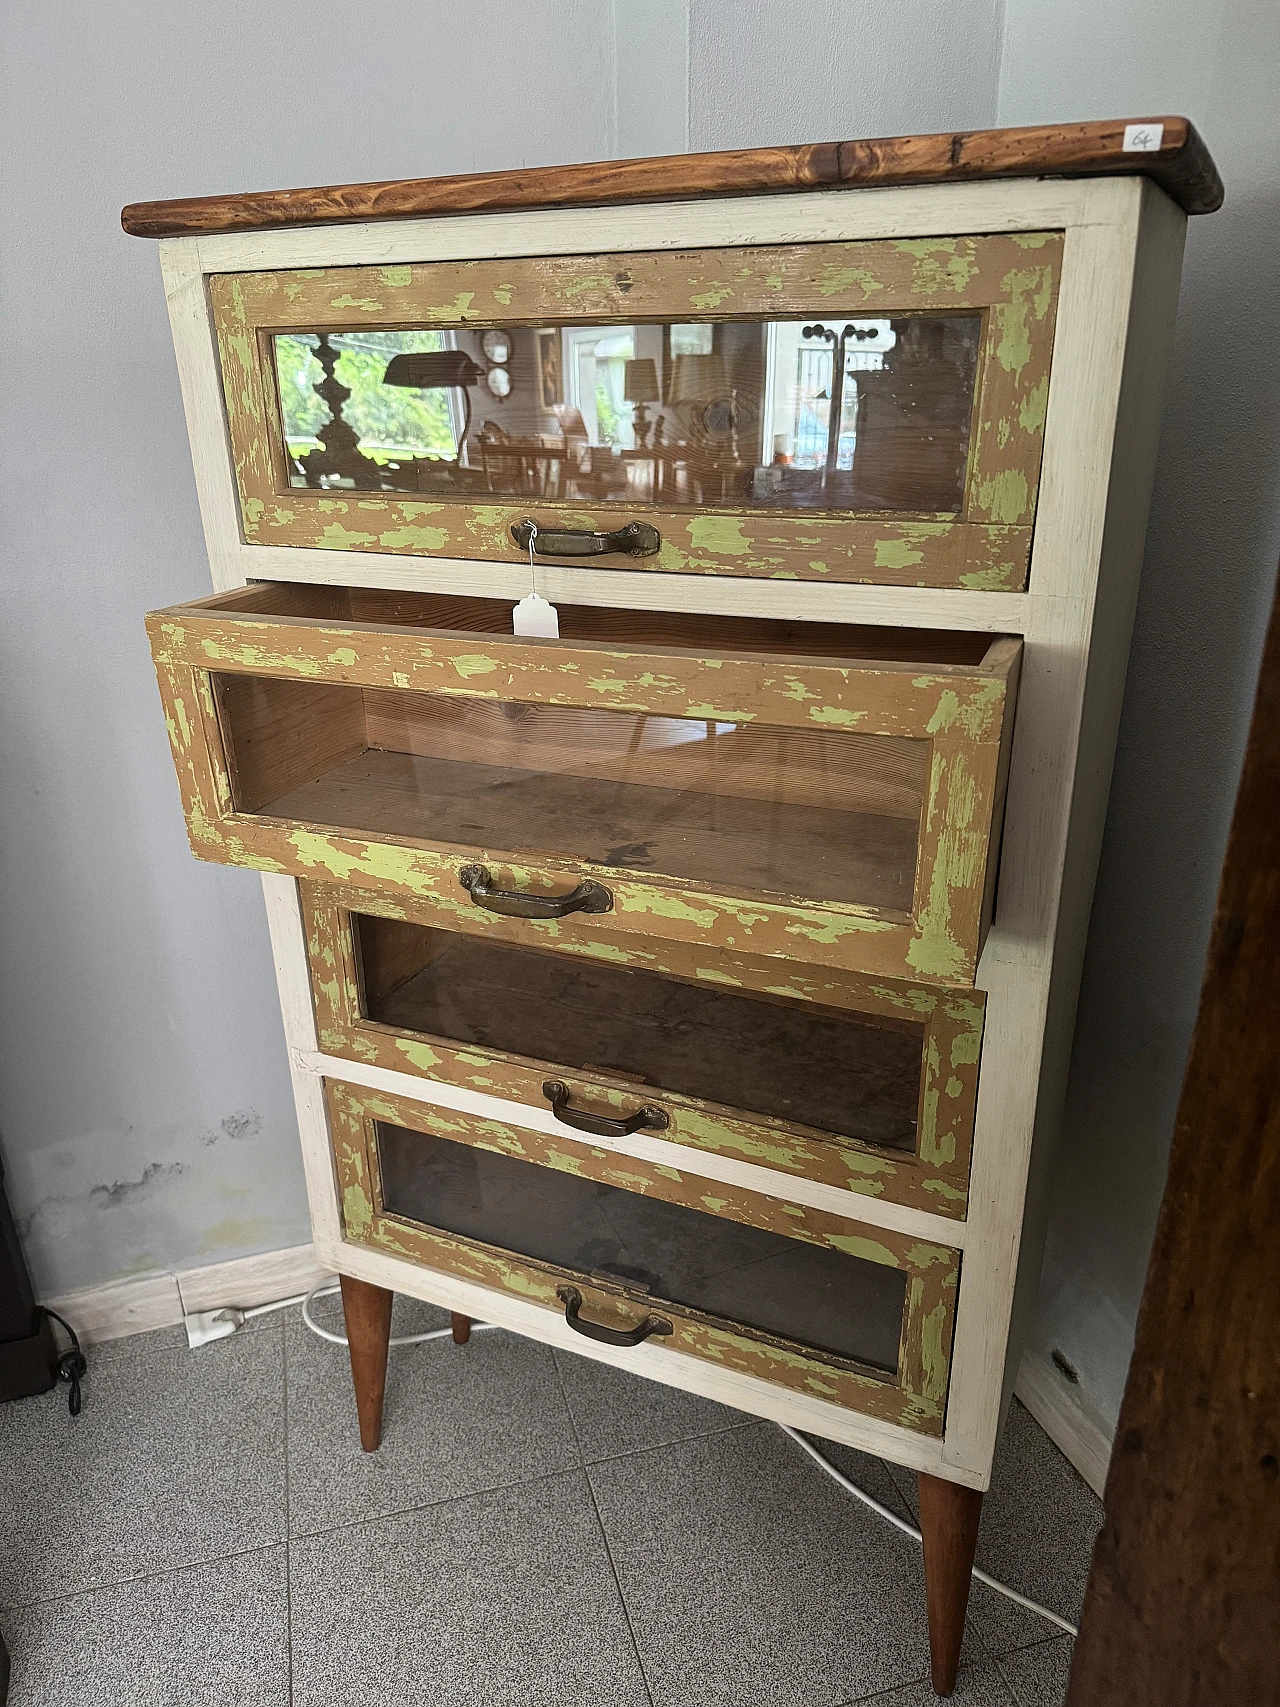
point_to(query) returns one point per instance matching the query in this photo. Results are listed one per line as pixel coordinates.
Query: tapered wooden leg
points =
(461, 1327)
(949, 1517)
(367, 1309)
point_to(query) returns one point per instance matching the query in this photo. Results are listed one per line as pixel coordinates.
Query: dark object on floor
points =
(28, 1352)
(1183, 1603)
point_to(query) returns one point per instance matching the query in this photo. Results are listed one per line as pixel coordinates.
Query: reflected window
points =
(825, 414)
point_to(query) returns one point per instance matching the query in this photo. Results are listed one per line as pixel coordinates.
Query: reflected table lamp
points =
(437, 370)
(640, 386)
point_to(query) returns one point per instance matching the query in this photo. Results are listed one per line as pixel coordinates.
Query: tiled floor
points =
(536, 1531)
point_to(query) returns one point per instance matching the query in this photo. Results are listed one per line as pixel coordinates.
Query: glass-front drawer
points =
(865, 1085)
(632, 1254)
(809, 791)
(868, 411)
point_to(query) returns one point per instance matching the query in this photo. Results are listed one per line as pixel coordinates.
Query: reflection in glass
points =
(826, 414)
(825, 813)
(657, 1251)
(833, 1071)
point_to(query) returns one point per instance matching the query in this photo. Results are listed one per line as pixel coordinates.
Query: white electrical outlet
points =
(208, 1325)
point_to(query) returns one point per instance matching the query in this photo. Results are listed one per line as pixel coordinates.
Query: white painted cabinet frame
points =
(1120, 271)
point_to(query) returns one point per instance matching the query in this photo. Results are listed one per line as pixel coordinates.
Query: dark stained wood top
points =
(1181, 165)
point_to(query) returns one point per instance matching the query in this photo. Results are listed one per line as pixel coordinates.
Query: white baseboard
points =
(161, 1300)
(1079, 1436)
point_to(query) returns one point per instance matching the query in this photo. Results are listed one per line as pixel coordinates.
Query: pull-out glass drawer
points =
(863, 411)
(812, 791)
(867, 1087)
(631, 1254)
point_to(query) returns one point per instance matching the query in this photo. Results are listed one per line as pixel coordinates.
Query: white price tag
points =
(535, 615)
(1142, 138)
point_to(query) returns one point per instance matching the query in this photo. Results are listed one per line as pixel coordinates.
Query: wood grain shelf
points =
(1181, 165)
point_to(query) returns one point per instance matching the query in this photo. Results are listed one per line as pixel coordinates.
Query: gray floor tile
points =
(458, 1419)
(501, 1599)
(872, 1475)
(1038, 1676)
(752, 1580)
(614, 1411)
(979, 1685)
(212, 1636)
(1039, 1522)
(177, 1457)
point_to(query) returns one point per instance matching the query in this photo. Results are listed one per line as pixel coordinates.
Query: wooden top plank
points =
(1181, 165)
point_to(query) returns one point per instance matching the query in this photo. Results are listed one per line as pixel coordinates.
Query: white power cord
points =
(910, 1529)
(324, 1289)
(217, 1324)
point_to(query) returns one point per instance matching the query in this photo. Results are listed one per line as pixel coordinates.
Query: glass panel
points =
(838, 1072)
(788, 414)
(662, 1251)
(827, 814)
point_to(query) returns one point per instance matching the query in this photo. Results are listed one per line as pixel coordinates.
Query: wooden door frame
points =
(1183, 1602)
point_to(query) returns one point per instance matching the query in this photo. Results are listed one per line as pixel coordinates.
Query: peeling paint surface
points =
(1013, 279)
(915, 1398)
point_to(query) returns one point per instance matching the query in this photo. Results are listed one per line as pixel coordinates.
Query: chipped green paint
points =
(474, 664)
(1006, 496)
(933, 1351)
(975, 710)
(1034, 407)
(708, 300)
(836, 929)
(420, 1055)
(897, 554)
(502, 294)
(458, 309)
(415, 539)
(939, 1187)
(720, 534)
(357, 1211)
(365, 304)
(344, 655)
(835, 280)
(395, 278)
(966, 1046)
(335, 537)
(714, 1204)
(997, 577)
(836, 716)
(714, 976)
(1033, 239)
(587, 283)
(857, 1245)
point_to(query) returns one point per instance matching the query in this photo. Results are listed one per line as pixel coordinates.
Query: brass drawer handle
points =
(571, 1298)
(635, 539)
(588, 897)
(600, 1125)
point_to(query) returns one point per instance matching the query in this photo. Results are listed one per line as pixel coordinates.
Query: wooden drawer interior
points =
(854, 770)
(863, 1085)
(848, 1075)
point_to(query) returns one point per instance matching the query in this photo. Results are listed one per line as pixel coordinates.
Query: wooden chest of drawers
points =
(688, 983)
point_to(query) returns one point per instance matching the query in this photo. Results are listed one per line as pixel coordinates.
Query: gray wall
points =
(1208, 576)
(144, 1106)
(145, 1109)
